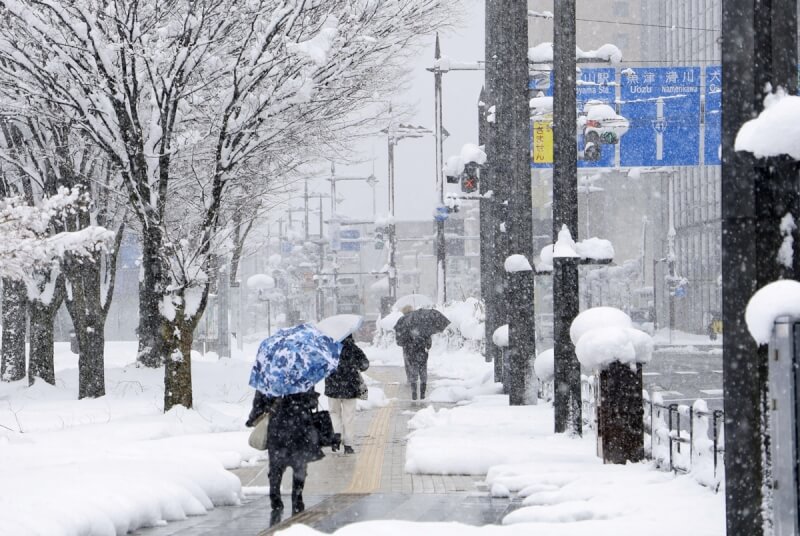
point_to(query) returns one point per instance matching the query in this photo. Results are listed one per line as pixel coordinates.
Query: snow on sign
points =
(663, 107)
(712, 118)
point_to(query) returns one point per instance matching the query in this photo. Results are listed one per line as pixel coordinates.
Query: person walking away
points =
(415, 358)
(292, 441)
(342, 388)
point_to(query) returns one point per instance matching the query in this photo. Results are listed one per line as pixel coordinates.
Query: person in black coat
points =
(292, 441)
(343, 387)
(415, 358)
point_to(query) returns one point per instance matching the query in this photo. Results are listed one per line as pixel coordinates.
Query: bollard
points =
(621, 413)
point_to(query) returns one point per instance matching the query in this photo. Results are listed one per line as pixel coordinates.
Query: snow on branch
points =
(27, 244)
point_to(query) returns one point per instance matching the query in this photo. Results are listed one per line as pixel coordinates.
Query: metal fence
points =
(677, 437)
(685, 439)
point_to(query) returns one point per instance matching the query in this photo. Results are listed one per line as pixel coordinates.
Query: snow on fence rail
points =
(680, 438)
(685, 439)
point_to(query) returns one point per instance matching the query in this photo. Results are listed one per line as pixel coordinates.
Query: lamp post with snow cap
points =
(394, 134)
(334, 227)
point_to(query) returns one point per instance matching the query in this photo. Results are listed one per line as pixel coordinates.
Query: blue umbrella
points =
(293, 360)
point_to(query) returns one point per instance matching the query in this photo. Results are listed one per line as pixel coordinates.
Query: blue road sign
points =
(286, 247)
(350, 239)
(713, 116)
(663, 107)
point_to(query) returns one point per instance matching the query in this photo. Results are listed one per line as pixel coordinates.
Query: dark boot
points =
(413, 390)
(422, 386)
(275, 517)
(298, 482)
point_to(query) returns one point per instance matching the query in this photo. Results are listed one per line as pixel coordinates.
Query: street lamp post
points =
(395, 133)
(371, 180)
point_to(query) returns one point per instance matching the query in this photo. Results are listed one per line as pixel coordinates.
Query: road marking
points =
(686, 372)
(651, 374)
(369, 466)
(717, 371)
(711, 392)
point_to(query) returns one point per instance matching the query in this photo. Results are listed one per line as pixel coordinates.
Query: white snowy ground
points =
(566, 489)
(681, 338)
(110, 465)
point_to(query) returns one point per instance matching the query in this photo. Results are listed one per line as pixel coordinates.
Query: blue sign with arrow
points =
(663, 107)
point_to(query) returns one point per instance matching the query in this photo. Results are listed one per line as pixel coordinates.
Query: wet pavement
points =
(370, 485)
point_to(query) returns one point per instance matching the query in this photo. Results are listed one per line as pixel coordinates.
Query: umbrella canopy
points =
(293, 360)
(417, 301)
(338, 327)
(420, 324)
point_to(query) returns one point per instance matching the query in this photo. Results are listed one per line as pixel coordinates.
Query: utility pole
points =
(392, 229)
(486, 234)
(492, 274)
(494, 177)
(513, 124)
(305, 206)
(759, 50)
(441, 245)
(567, 398)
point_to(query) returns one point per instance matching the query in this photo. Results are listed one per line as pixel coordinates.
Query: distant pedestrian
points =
(415, 356)
(343, 387)
(292, 441)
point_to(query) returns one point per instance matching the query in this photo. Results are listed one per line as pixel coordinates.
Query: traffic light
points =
(591, 152)
(469, 179)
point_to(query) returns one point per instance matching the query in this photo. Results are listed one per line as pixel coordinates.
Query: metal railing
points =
(685, 439)
(679, 438)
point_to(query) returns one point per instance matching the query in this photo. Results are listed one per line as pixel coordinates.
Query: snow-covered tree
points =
(182, 95)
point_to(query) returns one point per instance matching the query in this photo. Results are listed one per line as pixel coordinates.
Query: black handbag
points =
(324, 426)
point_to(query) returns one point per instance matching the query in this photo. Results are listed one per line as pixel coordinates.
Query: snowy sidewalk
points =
(371, 485)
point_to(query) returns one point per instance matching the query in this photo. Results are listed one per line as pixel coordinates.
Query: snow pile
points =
(260, 281)
(114, 464)
(781, 298)
(565, 488)
(595, 249)
(500, 336)
(775, 131)
(544, 365)
(543, 53)
(517, 263)
(541, 106)
(469, 153)
(607, 52)
(603, 335)
(596, 318)
(565, 245)
(466, 318)
(545, 263)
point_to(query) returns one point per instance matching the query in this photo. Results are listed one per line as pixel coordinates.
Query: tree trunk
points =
(88, 317)
(91, 363)
(42, 363)
(152, 349)
(12, 363)
(178, 366)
